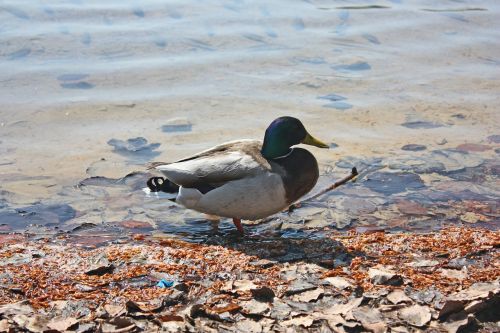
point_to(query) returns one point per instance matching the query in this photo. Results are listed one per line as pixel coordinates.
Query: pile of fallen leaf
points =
(446, 281)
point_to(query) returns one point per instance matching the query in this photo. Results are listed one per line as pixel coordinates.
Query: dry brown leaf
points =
(476, 291)
(248, 325)
(62, 324)
(398, 296)
(308, 296)
(339, 282)
(114, 310)
(254, 307)
(170, 317)
(416, 315)
(305, 321)
(344, 308)
(227, 308)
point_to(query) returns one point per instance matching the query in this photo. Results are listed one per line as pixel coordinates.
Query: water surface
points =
(99, 89)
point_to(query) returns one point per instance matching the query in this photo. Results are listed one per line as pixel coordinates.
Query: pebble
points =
(421, 125)
(494, 138)
(21, 53)
(392, 183)
(77, 85)
(338, 105)
(355, 66)
(72, 77)
(414, 147)
(177, 125)
(332, 97)
(137, 149)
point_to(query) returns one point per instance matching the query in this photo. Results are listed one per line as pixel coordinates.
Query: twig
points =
(354, 174)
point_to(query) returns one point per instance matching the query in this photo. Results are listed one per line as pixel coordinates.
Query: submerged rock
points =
(355, 66)
(392, 183)
(77, 85)
(37, 214)
(137, 149)
(177, 125)
(421, 124)
(413, 147)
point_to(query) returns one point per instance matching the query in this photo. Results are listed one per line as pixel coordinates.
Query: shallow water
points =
(93, 89)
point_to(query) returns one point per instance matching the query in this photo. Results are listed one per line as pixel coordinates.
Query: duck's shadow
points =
(283, 246)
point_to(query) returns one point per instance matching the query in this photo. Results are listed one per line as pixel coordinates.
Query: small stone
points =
(72, 77)
(177, 125)
(77, 85)
(414, 147)
(421, 125)
(442, 142)
(338, 105)
(473, 147)
(355, 66)
(494, 138)
(371, 38)
(332, 97)
(389, 183)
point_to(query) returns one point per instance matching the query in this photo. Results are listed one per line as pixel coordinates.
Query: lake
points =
(92, 91)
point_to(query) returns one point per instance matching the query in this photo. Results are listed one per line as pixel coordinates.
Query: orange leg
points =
(237, 223)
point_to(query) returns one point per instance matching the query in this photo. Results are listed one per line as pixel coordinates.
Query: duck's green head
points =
(284, 133)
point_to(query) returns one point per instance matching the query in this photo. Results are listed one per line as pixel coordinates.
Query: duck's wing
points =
(218, 165)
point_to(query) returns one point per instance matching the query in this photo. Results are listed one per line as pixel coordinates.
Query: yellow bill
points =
(310, 140)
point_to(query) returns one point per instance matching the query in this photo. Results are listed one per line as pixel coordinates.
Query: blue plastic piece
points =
(165, 284)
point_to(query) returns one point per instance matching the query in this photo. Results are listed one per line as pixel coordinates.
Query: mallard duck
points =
(245, 179)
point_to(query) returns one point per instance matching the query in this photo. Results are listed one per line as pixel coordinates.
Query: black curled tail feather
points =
(160, 184)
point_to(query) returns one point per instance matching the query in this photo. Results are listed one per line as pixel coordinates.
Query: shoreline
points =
(444, 280)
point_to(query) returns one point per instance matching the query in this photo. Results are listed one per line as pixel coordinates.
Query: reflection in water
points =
(93, 91)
